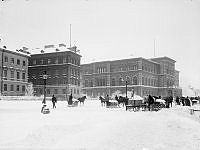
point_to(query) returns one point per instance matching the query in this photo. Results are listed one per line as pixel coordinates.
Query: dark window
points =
(18, 61)
(5, 87)
(17, 87)
(24, 63)
(134, 80)
(23, 88)
(23, 76)
(6, 59)
(18, 75)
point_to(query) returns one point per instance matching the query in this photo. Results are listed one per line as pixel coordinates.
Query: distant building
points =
(63, 72)
(156, 76)
(14, 72)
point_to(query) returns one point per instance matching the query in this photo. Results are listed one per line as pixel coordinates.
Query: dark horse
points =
(82, 99)
(150, 101)
(122, 100)
(103, 101)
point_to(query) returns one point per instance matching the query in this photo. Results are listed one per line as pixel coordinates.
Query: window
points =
(11, 87)
(23, 88)
(48, 61)
(113, 82)
(12, 74)
(48, 91)
(55, 91)
(120, 81)
(34, 62)
(12, 60)
(5, 74)
(6, 58)
(5, 87)
(128, 80)
(41, 61)
(64, 91)
(18, 75)
(17, 87)
(56, 61)
(134, 80)
(23, 76)
(18, 61)
(24, 63)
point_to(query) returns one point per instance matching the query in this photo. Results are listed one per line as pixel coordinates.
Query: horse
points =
(150, 101)
(82, 99)
(122, 100)
(103, 101)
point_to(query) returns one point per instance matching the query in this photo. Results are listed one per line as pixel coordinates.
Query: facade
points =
(156, 76)
(63, 73)
(14, 73)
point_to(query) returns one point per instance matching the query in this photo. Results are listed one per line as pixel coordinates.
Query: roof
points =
(14, 52)
(40, 51)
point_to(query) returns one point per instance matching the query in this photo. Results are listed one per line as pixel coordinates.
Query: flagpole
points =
(70, 36)
(154, 48)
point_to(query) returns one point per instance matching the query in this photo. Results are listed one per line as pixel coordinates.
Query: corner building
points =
(156, 76)
(14, 73)
(63, 73)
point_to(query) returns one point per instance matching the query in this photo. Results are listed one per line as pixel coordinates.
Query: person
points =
(107, 100)
(54, 100)
(70, 99)
(116, 98)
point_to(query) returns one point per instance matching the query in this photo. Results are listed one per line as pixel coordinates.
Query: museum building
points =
(155, 76)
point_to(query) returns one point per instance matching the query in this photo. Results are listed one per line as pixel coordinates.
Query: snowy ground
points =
(22, 126)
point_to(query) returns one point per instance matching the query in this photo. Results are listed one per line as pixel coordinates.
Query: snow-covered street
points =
(91, 126)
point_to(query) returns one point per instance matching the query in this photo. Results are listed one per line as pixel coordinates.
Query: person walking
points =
(70, 100)
(54, 100)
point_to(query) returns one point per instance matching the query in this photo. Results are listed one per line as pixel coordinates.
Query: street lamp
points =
(45, 79)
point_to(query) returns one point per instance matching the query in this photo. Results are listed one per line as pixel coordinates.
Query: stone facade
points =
(155, 76)
(14, 73)
(63, 73)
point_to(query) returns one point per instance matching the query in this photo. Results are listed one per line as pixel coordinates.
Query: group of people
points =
(54, 100)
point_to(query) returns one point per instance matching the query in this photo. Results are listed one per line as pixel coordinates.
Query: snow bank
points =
(91, 127)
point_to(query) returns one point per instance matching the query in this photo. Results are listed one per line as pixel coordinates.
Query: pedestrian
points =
(54, 100)
(70, 99)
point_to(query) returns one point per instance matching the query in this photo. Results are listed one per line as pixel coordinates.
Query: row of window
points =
(149, 68)
(55, 91)
(5, 87)
(121, 81)
(56, 60)
(12, 75)
(113, 69)
(12, 61)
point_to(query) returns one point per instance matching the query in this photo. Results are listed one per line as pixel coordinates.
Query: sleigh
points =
(74, 103)
(45, 110)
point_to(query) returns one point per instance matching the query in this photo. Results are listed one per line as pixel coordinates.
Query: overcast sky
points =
(109, 29)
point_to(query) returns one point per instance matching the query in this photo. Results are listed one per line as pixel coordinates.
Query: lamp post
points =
(45, 79)
(126, 88)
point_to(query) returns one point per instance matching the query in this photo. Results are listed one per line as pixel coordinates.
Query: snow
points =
(91, 126)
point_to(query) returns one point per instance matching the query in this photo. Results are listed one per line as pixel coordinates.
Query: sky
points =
(110, 30)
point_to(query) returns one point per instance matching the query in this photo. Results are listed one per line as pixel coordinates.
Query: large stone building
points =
(62, 67)
(156, 76)
(14, 72)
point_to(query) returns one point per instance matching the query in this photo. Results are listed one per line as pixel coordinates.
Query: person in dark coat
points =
(54, 100)
(70, 99)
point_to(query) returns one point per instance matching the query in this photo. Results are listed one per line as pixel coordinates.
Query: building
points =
(62, 67)
(14, 72)
(156, 76)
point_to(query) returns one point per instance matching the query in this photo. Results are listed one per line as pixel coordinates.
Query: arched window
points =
(142, 80)
(135, 80)
(120, 81)
(128, 80)
(113, 82)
